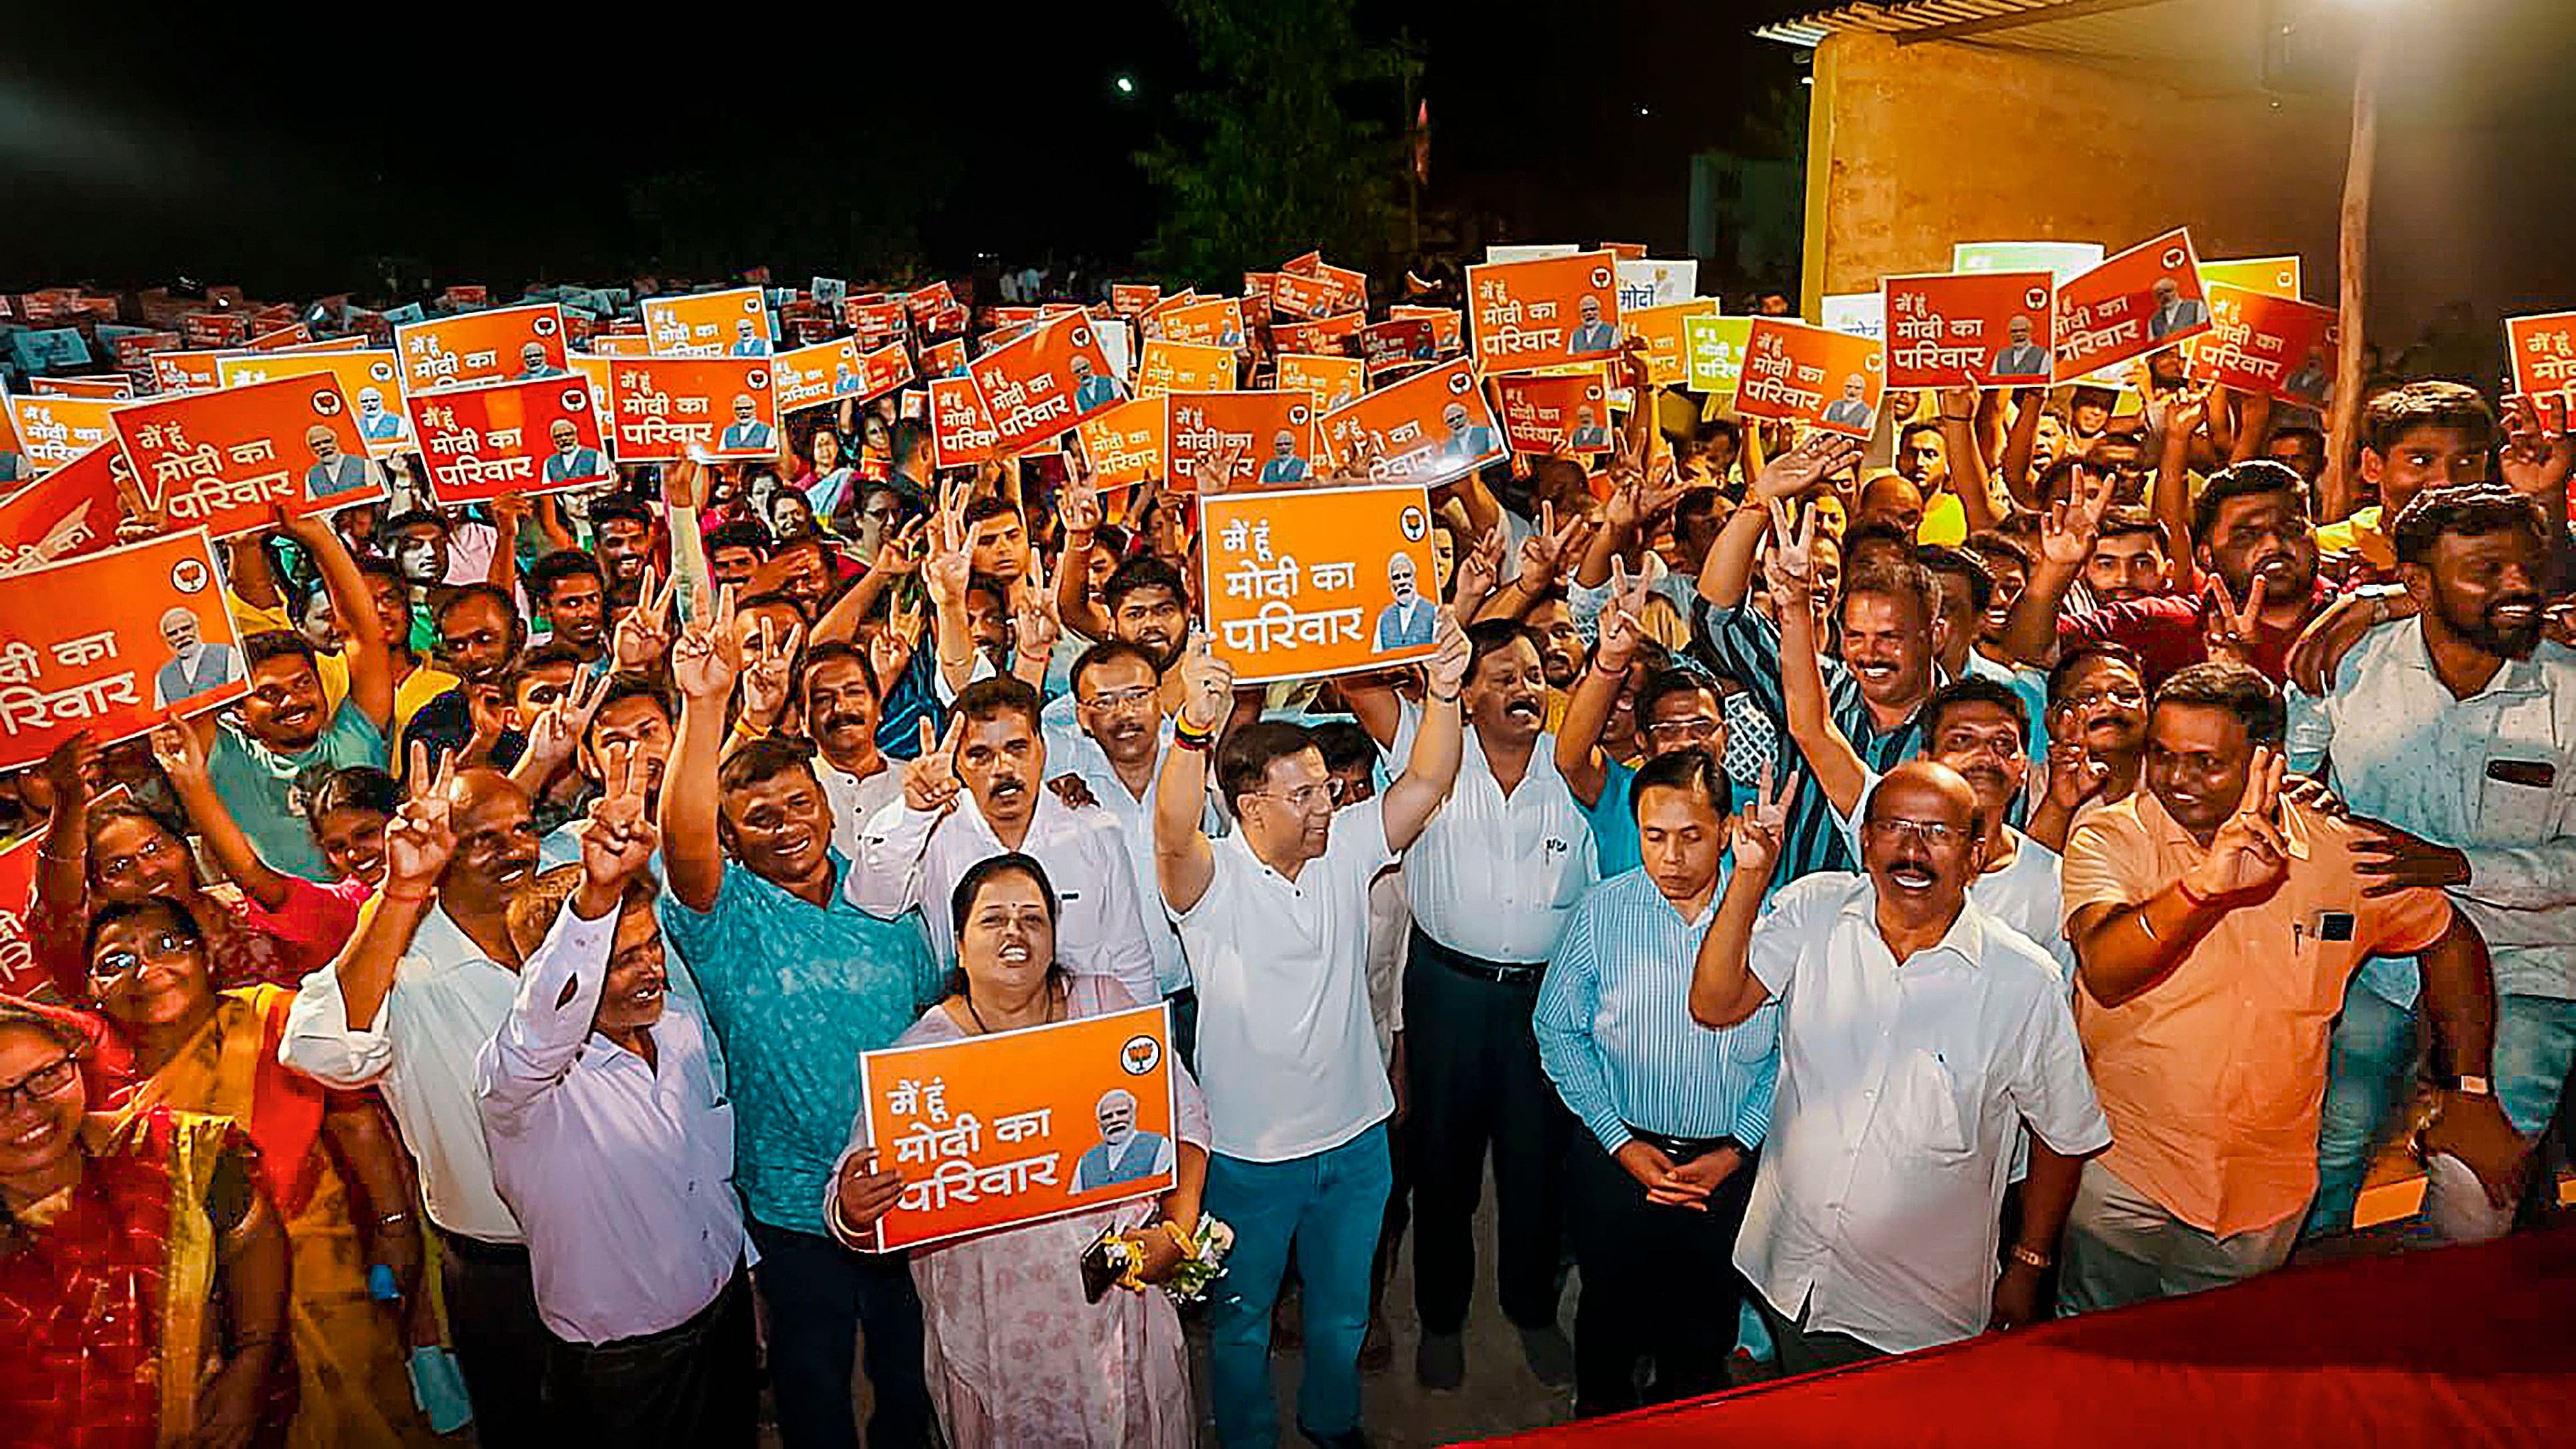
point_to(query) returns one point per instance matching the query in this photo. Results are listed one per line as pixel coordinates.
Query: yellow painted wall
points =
(1922, 145)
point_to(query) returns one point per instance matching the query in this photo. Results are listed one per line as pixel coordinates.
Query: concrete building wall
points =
(1914, 147)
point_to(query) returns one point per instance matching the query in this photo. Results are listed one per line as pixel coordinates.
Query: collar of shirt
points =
(1964, 942)
(2518, 677)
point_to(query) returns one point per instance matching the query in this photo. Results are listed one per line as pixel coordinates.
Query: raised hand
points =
(619, 837)
(1077, 506)
(899, 553)
(2396, 860)
(1479, 568)
(949, 565)
(708, 655)
(421, 838)
(930, 782)
(555, 731)
(2228, 630)
(63, 781)
(642, 639)
(1622, 618)
(2538, 451)
(1034, 626)
(1449, 663)
(2248, 857)
(1207, 687)
(1543, 552)
(1792, 564)
(769, 667)
(176, 750)
(1761, 827)
(1805, 466)
(2074, 776)
(2068, 531)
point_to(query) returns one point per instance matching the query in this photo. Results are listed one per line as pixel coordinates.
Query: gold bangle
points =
(2031, 1257)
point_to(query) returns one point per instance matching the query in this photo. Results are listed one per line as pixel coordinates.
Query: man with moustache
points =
(2216, 926)
(837, 705)
(2455, 730)
(797, 983)
(2097, 730)
(569, 589)
(914, 851)
(1917, 1036)
(1144, 602)
(479, 633)
(622, 537)
(1492, 881)
(407, 1007)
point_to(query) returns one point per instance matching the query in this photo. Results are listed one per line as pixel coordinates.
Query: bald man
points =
(1873, 1225)
(1892, 498)
(406, 1007)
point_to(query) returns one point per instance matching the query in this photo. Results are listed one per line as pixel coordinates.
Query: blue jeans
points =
(1330, 1206)
(2368, 1069)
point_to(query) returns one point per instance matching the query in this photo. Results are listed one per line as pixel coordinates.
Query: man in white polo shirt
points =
(1274, 919)
(1493, 881)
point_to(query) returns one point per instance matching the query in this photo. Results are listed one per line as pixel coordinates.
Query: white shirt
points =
(912, 860)
(620, 1170)
(448, 1000)
(2407, 752)
(1390, 950)
(1071, 749)
(2022, 895)
(1496, 876)
(855, 801)
(1892, 1127)
(1287, 1052)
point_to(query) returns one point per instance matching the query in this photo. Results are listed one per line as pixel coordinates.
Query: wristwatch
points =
(2469, 1086)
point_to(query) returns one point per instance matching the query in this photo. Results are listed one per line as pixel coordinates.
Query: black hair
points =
(615, 506)
(991, 505)
(1993, 543)
(1244, 760)
(762, 758)
(1665, 683)
(2468, 510)
(826, 652)
(497, 595)
(1107, 652)
(1344, 745)
(1896, 578)
(2127, 520)
(1488, 637)
(1976, 689)
(1691, 770)
(1959, 563)
(2427, 403)
(174, 914)
(2234, 688)
(2250, 479)
(1146, 571)
(270, 644)
(560, 565)
(628, 684)
(400, 521)
(354, 787)
(961, 901)
(549, 655)
(907, 438)
(2061, 675)
(748, 533)
(1003, 694)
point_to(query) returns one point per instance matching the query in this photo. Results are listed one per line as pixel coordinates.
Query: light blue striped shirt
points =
(1615, 1031)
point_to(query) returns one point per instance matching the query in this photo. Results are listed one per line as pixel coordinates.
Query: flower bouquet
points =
(1117, 1259)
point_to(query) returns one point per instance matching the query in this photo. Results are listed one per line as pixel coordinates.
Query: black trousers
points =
(1477, 1083)
(501, 1343)
(819, 1294)
(1659, 1283)
(696, 1384)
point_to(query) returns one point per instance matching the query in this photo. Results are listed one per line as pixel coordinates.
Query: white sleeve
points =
(320, 1043)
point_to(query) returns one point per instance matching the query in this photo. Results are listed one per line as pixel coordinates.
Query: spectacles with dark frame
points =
(41, 1085)
(162, 947)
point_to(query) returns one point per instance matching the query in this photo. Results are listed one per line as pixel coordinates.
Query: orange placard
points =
(1297, 296)
(1664, 330)
(830, 371)
(52, 431)
(1183, 367)
(1014, 1127)
(225, 459)
(2543, 350)
(1522, 315)
(1544, 413)
(186, 371)
(17, 893)
(1271, 434)
(1125, 444)
(669, 408)
(596, 371)
(1970, 329)
(1397, 342)
(215, 329)
(944, 359)
(621, 344)
(1330, 381)
(960, 434)
(480, 443)
(1625, 251)
(2146, 298)
(732, 323)
(293, 335)
(1045, 381)
(371, 381)
(873, 323)
(1350, 287)
(1324, 336)
(1448, 326)
(106, 642)
(118, 387)
(2258, 342)
(1133, 299)
(1797, 373)
(73, 510)
(1309, 581)
(1215, 322)
(328, 344)
(505, 344)
(1429, 428)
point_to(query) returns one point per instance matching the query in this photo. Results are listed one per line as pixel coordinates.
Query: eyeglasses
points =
(1696, 728)
(1304, 797)
(1118, 701)
(164, 948)
(2127, 696)
(1930, 834)
(41, 1085)
(125, 865)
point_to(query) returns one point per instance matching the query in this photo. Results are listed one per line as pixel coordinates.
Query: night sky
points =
(480, 145)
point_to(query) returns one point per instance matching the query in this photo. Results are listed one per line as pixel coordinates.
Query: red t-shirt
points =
(2169, 632)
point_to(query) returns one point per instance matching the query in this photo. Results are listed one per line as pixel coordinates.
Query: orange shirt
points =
(2215, 1076)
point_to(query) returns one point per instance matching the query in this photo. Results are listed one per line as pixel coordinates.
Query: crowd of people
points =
(1849, 910)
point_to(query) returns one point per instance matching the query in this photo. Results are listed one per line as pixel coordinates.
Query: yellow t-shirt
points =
(2359, 534)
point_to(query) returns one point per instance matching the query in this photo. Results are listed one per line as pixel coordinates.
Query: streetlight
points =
(1126, 85)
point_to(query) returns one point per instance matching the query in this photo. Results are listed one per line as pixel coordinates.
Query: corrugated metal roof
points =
(1810, 29)
(2217, 42)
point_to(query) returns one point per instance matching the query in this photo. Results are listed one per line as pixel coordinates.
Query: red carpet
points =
(2451, 1347)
